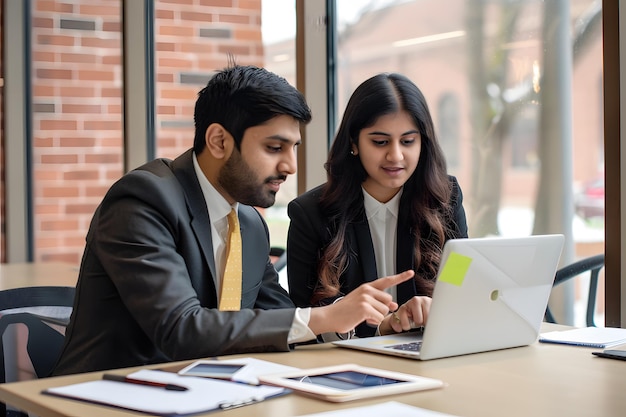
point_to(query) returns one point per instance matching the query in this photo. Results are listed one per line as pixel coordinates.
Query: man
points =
(151, 274)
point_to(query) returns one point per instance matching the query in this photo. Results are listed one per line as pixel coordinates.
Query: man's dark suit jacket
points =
(145, 292)
(309, 232)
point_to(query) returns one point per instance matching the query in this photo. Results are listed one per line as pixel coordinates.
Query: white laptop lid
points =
(491, 293)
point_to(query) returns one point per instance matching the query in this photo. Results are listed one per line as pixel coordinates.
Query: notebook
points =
(491, 293)
(595, 337)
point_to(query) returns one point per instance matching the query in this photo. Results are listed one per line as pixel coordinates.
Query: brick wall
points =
(77, 119)
(193, 39)
(77, 98)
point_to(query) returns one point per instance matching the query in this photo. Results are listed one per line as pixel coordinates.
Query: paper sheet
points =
(255, 367)
(390, 408)
(203, 394)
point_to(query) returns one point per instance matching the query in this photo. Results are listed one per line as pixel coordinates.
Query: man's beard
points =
(240, 182)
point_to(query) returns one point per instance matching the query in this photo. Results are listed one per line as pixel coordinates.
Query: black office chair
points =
(593, 265)
(44, 312)
(280, 255)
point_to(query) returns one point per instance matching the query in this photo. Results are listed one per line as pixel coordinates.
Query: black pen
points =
(124, 378)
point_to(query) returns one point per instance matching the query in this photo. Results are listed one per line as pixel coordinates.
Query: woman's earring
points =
(352, 152)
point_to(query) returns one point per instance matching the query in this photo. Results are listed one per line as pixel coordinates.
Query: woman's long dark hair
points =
(426, 193)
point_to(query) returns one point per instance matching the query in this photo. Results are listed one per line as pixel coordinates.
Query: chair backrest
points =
(281, 262)
(592, 265)
(44, 312)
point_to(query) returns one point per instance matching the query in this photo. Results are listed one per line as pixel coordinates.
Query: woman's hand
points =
(413, 313)
(369, 302)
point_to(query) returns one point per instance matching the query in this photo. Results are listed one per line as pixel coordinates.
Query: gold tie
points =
(230, 299)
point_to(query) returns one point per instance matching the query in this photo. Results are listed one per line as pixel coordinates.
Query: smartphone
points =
(212, 369)
(612, 354)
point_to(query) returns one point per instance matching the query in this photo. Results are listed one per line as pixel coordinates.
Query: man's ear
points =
(218, 141)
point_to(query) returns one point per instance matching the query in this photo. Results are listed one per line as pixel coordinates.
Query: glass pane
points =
(76, 120)
(279, 44)
(192, 41)
(526, 148)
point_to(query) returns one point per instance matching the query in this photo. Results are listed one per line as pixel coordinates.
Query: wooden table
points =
(537, 380)
(16, 275)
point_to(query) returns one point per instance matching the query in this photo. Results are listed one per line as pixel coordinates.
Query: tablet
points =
(349, 382)
(212, 369)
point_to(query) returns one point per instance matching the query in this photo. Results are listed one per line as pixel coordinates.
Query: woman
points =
(389, 205)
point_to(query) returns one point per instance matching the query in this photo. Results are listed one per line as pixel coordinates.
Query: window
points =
(519, 78)
(447, 123)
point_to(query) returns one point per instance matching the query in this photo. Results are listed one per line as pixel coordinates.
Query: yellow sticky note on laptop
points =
(455, 269)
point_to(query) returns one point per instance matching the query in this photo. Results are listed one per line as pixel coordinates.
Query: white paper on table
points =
(202, 395)
(390, 408)
(254, 368)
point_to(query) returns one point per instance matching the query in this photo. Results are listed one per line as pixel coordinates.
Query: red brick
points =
(175, 63)
(82, 175)
(114, 175)
(164, 14)
(101, 43)
(111, 92)
(47, 175)
(111, 142)
(175, 2)
(216, 3)
(250, 5)
(43, 142)
(234, 18)
(184, 31)
(43, 91)
(235, 49)
(196, 17)
(87, 9)
(103, 125)
(115, 60)
(95, 75)
(115, 27)
(82, 91)
(47, 242)
(93, 191)
(80, 208)
(165, 78)
(206, 47)
(77, 240)
(59, 159)
(43, 22)
(166, 110)
(78, 58)
(53, 6)
(55, 40)
(103, 158)
(248, 35)
(58, 125)
(59, 192)
(54, 74)
(82, 108)
(165, 46)
(114, 109)
(77, 142)
(179, 93)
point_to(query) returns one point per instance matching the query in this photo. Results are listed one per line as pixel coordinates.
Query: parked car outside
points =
(589, 202)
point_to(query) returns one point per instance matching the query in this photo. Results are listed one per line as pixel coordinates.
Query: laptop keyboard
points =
(411, 346)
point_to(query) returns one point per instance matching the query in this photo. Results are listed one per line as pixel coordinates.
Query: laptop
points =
(491, 293)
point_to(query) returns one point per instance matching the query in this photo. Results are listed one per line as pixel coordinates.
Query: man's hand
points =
(369, 302)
